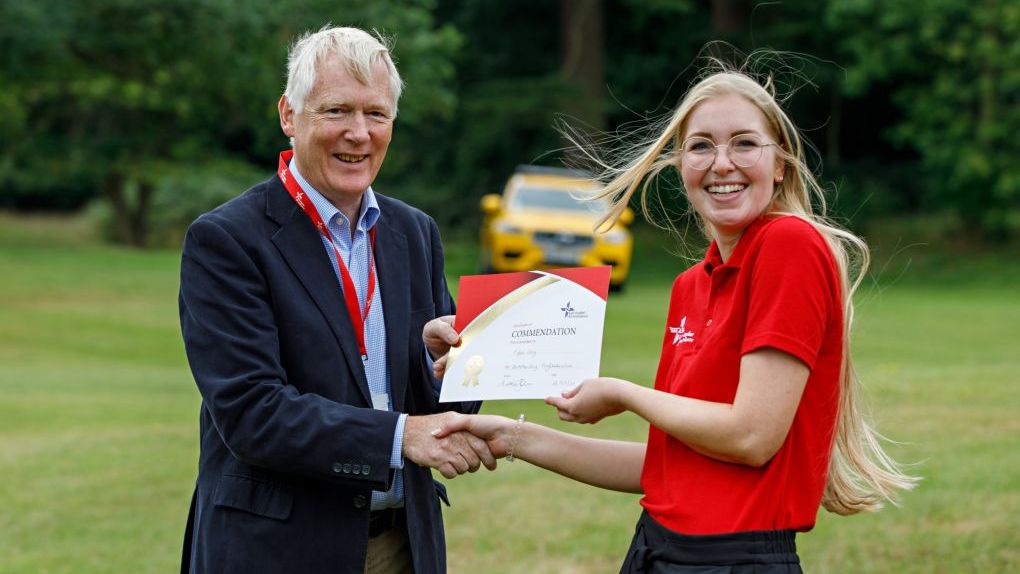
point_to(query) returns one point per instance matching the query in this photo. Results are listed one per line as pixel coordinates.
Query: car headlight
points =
(614, 237)
(504, 227)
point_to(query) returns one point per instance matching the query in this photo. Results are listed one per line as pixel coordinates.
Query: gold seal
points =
(472, 369)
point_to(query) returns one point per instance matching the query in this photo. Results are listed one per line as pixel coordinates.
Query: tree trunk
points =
(727, 17)
(583, 63)
(130, 221)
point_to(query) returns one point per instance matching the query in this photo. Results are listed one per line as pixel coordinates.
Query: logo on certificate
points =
(570, 313)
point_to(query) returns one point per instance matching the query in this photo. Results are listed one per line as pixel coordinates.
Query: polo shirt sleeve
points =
(792, 291)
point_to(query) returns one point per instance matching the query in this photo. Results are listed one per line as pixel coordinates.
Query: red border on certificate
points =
(477, 293)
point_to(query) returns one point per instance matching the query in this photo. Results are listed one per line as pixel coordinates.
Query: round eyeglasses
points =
(744, 150)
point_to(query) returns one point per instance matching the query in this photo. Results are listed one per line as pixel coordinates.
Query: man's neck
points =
(349, 206)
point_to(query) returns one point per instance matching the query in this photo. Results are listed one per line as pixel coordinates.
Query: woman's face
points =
(726, 196)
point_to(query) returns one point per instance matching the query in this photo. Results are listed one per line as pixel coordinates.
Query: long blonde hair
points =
(860, 475)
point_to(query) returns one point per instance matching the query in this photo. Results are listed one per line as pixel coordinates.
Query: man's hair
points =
(358, 50)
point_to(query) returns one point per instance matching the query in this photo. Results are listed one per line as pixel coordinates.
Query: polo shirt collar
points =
(713, 258)
(367, 217)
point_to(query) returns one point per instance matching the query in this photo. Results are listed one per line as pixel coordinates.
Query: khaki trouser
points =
(389, 553)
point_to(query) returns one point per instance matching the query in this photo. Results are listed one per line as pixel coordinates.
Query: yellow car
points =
(541, 221)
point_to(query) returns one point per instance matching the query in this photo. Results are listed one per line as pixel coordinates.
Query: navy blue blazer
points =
(291, 447)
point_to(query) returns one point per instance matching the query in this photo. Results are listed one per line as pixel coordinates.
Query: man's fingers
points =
(439, 367)
(481, 449)
(447, 470)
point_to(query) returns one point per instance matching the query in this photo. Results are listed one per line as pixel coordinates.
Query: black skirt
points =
(657, 550)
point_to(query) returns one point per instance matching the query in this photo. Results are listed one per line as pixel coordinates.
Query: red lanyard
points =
(350, 294)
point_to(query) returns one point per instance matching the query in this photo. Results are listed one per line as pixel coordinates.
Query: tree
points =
(116, 94)
(953, 64)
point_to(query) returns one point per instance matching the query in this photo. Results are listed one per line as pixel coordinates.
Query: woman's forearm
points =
(609, 464)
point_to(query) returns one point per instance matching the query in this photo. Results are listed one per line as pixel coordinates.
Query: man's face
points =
(342, 133)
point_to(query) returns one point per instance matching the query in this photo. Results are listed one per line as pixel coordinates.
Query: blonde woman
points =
(753, 419)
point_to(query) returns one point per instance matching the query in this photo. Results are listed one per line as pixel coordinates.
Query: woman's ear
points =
(777, 176)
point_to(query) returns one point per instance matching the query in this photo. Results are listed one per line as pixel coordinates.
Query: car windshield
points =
(556, 199)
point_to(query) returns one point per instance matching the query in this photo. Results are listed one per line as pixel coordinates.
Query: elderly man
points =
(303, 303)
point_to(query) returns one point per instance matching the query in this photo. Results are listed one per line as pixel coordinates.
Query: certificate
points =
(526, 335)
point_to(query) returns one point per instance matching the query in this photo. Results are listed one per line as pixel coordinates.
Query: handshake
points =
(453, 443)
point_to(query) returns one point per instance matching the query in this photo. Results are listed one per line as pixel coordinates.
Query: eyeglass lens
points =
(744, 150)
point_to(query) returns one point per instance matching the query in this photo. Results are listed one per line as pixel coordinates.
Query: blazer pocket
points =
(254, 496)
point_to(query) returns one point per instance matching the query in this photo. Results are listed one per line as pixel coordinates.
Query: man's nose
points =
(357, 128)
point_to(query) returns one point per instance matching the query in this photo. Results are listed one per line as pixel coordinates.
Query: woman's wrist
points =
(622, 394)
(514, 438)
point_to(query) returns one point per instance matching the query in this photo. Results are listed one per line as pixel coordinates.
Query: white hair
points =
(358, 50)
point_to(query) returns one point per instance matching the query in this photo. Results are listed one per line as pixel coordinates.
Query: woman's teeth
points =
(729, 188)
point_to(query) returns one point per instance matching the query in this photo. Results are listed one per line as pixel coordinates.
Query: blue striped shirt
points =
(355, 252)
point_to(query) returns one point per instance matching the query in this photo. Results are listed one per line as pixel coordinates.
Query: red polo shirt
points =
(779, 289)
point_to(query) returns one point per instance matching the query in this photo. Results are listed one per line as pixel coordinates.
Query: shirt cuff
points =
(437, 384)
(396, 455)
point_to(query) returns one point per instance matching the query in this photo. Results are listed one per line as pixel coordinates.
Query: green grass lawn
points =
(98, 418)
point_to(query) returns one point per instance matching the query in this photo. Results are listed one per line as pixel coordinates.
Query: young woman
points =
(753, 419)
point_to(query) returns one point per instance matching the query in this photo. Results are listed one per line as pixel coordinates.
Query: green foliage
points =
(181, 193)
(956, 80)
(912, 105)
(101, 95)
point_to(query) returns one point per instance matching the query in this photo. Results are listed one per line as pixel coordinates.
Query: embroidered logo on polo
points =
(681, 334)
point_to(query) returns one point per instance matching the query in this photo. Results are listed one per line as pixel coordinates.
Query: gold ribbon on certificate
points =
(485, 319)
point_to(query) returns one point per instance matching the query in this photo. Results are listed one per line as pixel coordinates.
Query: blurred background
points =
(122, 120)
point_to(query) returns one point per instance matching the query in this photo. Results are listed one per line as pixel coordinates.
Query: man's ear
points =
(286, 116)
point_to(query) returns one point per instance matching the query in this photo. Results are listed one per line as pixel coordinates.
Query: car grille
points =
(562, 248)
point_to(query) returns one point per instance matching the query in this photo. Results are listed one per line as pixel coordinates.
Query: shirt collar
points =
(713, 258)
(367, 217)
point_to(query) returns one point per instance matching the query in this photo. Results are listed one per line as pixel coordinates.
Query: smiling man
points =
(303, 303)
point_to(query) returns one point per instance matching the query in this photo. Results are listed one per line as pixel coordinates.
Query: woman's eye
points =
(699, 147)
(747, 144)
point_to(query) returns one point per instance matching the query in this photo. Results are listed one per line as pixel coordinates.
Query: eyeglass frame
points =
(727, 145)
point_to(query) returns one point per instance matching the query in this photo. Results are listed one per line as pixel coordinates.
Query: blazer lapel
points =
(300, 245)
(391, 265)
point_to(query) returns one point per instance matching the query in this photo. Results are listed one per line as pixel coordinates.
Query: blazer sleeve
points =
(232, 344)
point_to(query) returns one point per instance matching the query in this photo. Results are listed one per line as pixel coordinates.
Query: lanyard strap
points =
(358, 317)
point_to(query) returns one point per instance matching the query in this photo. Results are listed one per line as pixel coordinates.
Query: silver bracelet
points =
(516, 437)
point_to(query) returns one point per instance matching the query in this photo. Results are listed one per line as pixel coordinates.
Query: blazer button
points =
(356, 468)
(347, 469)
(337, 467)
(365, 469)
(360, 501)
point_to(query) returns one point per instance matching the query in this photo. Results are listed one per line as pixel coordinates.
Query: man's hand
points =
(439, 335)
(452, 455)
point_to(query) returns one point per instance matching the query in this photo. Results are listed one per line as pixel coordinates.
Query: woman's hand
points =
(591, 401)
(496, 431)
